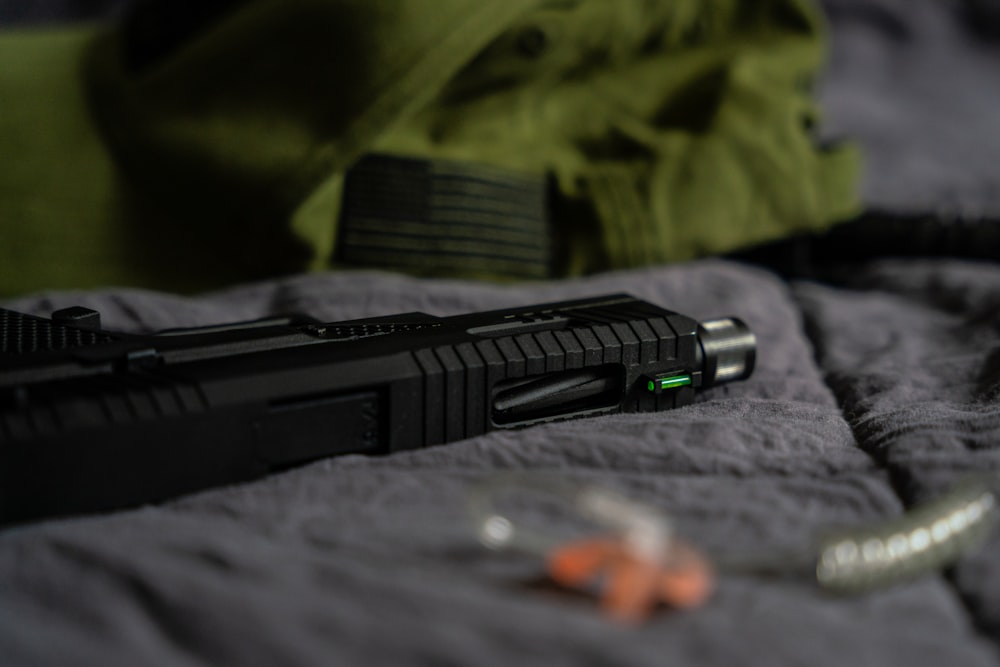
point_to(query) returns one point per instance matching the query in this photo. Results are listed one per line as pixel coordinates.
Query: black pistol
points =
(94, 420)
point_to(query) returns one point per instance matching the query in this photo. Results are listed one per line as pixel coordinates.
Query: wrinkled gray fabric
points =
(915, 84)
(867, 397)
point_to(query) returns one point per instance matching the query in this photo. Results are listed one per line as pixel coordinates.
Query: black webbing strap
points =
(437, 217)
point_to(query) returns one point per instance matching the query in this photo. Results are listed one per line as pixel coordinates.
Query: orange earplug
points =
(634, 583)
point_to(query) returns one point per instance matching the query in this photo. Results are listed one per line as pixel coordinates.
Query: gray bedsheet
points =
(868, 396)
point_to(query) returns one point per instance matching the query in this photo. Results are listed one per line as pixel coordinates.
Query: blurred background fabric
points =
(913, 80)
(221, 136)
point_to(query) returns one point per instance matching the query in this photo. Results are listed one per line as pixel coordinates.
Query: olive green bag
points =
(292, 135)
